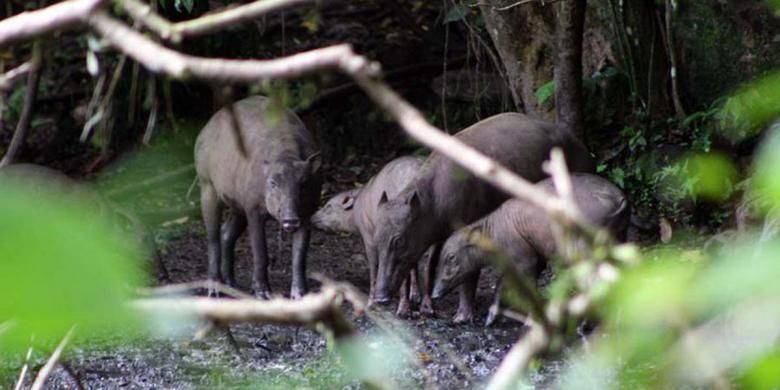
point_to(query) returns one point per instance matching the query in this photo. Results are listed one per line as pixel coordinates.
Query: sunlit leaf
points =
(743, 271)
(715, 176)
(753, 106)
(60, 265)
(545, 92)
(766, 181)
(653, 293)
(763, 375)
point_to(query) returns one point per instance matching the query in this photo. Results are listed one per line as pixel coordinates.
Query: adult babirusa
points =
(275, 176)
(443, 196)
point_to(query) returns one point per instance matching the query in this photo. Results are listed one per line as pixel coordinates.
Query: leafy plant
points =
(61, 266)
(545, 92)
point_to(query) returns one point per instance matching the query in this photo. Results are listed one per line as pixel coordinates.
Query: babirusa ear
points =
(383, 199)
(315, 162)
(413, 200)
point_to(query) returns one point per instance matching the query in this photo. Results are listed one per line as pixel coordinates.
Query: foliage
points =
(62, 265)
(545, 92)
(693, 317)
(753, 107)
(670, 167)
(680, 320)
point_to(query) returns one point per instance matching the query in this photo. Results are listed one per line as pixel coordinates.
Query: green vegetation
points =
(62, 266)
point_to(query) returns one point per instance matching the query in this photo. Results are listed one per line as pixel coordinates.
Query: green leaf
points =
(753, 106)
(652, 294)
(545, 92)
(766, 181)
(187, 4)
(765, 374)
(710, 176)
(60, 265)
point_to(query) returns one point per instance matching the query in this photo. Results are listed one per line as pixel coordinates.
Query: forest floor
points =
(437, 353)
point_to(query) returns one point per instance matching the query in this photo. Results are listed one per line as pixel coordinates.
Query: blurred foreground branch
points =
(32, 24)
(43, 374)
(175, 32)
(321, 308)
(8, 79)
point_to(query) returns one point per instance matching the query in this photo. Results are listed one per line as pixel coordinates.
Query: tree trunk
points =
(640, 41)
(523, 38)
(568, 68)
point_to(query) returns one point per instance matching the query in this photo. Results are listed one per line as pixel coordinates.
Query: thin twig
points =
(310, 310)
(513, 5)
(673, 71)
(517, 360)
(9, 78)
(43, 374)
(26, 365)
(160, 59)
(175, 32)
(151, 182)
(180, 288)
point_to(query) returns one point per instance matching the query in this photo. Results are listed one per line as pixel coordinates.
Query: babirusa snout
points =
(438, 290)
(289, 217)
(291, 224)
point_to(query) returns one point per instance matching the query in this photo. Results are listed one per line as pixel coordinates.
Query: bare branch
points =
(28, 25)
(43, 374)
(160, 59)
(8, 79)
(175, 32)
(516, 4)
(204, 284)
(145, 185)
(26, 365)
(413, 122)
(516, 361)
(23, 126)
(307, 311)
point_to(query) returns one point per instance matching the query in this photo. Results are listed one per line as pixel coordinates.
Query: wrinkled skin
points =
(522, 233)
(459, 260)
(443, 195)
(335, 215)
(278, 178)
(396, 240)
(354, 211)
(460, 263)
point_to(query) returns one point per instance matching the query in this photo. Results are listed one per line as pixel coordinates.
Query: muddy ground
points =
(440, 354)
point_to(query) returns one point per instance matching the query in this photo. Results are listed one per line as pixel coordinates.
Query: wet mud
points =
(434, 352)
